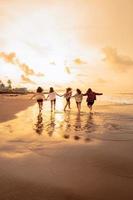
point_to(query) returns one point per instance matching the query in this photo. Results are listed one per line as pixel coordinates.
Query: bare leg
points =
(79, 107)
(51, 106)
(65, 106)
(90, 108)
(69, 104)
(54, 104)
(40, 106)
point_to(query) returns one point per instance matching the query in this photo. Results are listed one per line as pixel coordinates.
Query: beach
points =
(64, 155)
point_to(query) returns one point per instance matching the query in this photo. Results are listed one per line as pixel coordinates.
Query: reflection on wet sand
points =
(39, 124)
(89, 126)
(68, 125)
(77, 126)
(78, 122)
(61, 127)
(51, 125)
(84, 127)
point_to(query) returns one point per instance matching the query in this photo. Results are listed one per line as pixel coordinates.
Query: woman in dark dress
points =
(91, 97)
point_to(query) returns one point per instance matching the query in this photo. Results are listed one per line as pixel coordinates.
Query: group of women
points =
(40, 97)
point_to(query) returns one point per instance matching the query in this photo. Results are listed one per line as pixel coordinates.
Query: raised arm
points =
(62, 95)
(58, 94)
(46, 97)
(73, 95)
(85, 94)
(98, 93)
(33, 96)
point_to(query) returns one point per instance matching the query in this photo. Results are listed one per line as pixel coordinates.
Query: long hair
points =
(78, 91)
(89, 90)
(51, 90)
(39, 90)
(68, 89)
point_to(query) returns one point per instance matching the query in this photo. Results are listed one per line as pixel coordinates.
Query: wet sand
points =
(61, 156)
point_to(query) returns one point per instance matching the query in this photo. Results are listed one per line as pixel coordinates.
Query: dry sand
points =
(47, 166)
(10, 105)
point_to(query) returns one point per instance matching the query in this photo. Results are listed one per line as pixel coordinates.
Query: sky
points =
(63, 43)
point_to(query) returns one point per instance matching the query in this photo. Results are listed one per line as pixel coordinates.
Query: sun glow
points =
(57, 73)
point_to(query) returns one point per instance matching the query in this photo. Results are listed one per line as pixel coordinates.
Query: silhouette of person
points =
(78, 98)
(39, 97)
(91, 97)
(52, 97)
(67, 95)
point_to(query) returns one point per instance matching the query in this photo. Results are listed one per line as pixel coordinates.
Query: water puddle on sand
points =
(34, 129)
(69, 125)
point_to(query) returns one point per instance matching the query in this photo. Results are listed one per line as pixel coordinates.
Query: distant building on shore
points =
(7, 90)
(20, 90)
(10, 90)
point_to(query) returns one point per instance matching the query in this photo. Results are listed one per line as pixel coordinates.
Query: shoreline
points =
(12, 105)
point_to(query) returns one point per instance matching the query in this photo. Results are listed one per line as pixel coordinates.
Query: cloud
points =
(117, 61)
(67, 70)
(12, 59)
(78, 61)
(9, 58)
(26, 80)
(25, 68)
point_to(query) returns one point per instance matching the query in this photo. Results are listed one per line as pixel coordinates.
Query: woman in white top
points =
(67, 96)
(39, 97)
(78, 98)
(52, 97)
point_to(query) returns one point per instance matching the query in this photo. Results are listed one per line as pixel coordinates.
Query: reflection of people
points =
(39, 124)
(51, 125)
(67, 120)
(77, 126)
(78, 98)
(89, 126)
(67, 125)
(52, 97)
(67, 96)
(39, 97)
(91, 97)
(78, 123)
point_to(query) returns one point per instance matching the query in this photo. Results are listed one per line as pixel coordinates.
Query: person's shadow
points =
(39, 124)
